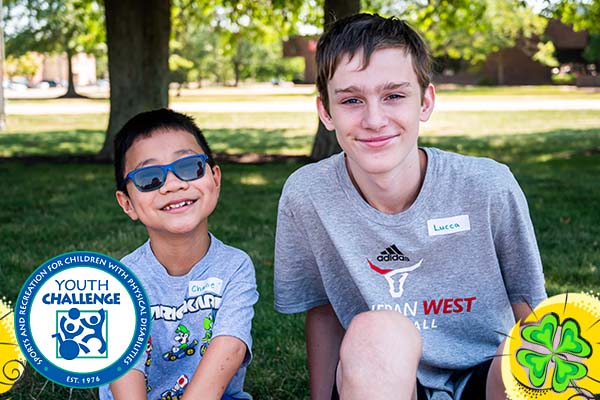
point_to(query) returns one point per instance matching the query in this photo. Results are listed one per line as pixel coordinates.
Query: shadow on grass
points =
(49, 144)
(232, 143)
(522, 148)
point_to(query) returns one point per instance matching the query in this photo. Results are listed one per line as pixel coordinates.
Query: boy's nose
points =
(173, 183)
(374, 117)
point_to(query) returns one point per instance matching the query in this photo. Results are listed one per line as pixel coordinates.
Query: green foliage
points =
(234, 40)
(55, 26)
(583, 14)
(592, 51)
(25, 65)
(465, 29)
(545, 54)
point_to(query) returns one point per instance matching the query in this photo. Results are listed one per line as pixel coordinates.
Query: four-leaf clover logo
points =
(570, 343)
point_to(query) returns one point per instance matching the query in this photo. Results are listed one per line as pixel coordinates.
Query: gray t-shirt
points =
(215, 298)
(453, 263)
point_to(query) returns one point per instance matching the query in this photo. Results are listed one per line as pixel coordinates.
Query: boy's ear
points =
(427, 103)
(126, 204)
(324, 114)
(216, 175)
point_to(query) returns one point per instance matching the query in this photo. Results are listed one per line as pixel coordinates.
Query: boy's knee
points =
(381, 333)
(382, 341)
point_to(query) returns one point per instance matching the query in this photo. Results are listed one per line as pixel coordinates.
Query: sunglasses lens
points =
(148, 179)
(189, 168)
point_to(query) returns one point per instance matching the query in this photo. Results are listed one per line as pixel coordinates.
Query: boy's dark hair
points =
(367, 33)
(145, 124)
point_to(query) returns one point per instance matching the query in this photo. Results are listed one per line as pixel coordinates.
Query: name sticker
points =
(446, 226)
(212, 285)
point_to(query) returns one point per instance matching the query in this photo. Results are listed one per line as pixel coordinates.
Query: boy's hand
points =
(218, 365)
(131, 386)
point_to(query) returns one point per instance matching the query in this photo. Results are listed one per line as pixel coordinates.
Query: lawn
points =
(50, 208)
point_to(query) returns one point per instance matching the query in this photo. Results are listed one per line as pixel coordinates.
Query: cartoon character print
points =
(208, 325)
(149, 349)
(184, 347)
(176, 392)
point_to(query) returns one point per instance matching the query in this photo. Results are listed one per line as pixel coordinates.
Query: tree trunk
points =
(500, 76)
(338, 9)
(71, 93)
(137, 35)
(2, 110)
(325, 143)
(236, 72)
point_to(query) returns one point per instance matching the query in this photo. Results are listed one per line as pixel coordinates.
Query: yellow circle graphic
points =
(555, 353)
(12, 362)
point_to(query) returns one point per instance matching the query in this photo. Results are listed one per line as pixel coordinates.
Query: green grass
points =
(275, 133)
(50, 208)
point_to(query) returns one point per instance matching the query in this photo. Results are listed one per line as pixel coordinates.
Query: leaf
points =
(543, 333)
(571, 342)
(536, 363)
(564, 372)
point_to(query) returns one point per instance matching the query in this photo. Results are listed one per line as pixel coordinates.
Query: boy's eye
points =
(350, 101)
(395, 96)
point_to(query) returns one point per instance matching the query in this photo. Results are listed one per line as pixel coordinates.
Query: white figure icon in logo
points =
(395, 282)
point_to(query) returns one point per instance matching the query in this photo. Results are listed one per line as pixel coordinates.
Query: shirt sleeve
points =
(298, 284)
(516, 246)
(234, 317)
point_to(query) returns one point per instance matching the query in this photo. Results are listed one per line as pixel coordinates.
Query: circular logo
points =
(82, 319)
(555, 352)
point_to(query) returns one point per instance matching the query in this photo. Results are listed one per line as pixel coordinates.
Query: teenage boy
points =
(410, 262)
(201, 291)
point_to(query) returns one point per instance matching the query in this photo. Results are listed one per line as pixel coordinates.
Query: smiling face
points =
(376, 111)
(178, 207)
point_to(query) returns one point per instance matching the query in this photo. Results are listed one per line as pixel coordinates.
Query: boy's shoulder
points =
(225, 251)
(141, 253)
(473, 171)
(313, 178)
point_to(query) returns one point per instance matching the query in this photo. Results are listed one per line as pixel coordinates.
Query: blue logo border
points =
(72, 378)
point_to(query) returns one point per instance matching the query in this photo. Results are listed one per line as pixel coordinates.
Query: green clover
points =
(570, 342)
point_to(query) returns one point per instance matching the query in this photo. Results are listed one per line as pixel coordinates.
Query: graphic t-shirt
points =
(215, 298)
(453, 263)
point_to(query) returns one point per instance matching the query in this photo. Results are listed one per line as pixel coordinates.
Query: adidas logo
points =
(392, 253)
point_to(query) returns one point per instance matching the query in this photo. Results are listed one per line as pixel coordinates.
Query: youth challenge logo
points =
(82, 319)
(555, 353)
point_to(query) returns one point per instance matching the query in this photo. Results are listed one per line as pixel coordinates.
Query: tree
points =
(25, 66)
(583, 15)
(325, 143)
(137, 35)
(56, 26)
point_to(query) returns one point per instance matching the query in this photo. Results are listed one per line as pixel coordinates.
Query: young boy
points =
(410, 262)
(201, 291)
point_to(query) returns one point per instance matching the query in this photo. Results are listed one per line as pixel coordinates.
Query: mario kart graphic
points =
(149, 348)
(176, 392)
(208, 325)
(185, 348)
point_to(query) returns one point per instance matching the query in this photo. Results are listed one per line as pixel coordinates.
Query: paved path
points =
(443, 104)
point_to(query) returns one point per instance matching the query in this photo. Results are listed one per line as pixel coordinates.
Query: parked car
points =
(47, 83)
(17, 84)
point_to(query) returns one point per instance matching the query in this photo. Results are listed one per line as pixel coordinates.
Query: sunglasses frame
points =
(165, 170)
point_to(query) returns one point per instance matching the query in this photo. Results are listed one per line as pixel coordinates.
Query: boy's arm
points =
(324, 335)
(521, 311)
(218, 365)
(131, 386)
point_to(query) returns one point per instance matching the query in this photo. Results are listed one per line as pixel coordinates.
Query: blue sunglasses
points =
(153, 177)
